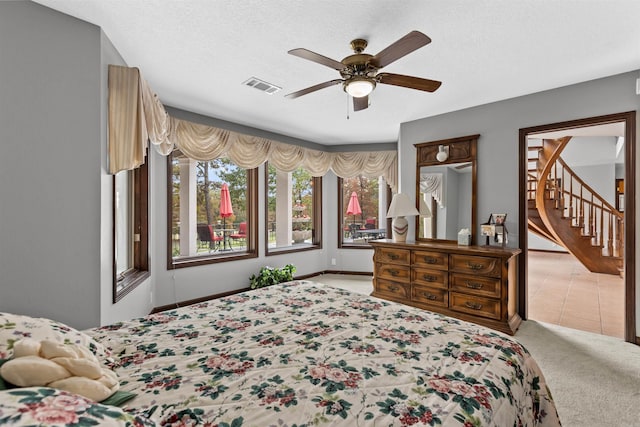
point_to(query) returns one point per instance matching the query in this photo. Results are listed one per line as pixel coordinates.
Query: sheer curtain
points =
(137, 115)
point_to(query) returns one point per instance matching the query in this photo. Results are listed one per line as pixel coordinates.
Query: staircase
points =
(565, 210)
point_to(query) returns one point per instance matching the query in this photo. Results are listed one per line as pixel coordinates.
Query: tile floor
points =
(561, 291)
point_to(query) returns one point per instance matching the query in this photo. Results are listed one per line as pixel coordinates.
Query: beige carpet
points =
(594, 379)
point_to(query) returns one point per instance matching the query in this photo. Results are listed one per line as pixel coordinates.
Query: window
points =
(293, 210)
(362, 210)
(212, 211)
(130, 230)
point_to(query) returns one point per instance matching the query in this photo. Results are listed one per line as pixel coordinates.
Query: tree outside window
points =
(370, 223)
(293, 214)
(199, 230)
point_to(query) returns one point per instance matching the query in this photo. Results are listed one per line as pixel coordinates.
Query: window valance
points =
(431, 184)
(136, 116)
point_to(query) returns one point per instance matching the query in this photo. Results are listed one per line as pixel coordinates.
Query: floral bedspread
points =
(303, 354)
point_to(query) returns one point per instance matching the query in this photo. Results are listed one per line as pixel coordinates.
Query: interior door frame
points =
(629, 119)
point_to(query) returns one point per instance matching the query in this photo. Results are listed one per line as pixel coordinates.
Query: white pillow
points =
(14, 327)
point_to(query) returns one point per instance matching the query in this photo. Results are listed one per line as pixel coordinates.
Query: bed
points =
(303, 354)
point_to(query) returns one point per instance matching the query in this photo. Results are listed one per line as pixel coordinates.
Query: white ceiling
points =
(195, 54)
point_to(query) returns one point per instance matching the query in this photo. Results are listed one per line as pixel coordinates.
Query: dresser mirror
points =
(446, 188)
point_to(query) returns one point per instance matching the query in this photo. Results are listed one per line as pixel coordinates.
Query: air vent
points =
(261, 85)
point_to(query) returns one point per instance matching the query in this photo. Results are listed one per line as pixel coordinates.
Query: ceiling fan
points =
(359, 71)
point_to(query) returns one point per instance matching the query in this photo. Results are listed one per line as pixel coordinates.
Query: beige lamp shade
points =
(400, 207)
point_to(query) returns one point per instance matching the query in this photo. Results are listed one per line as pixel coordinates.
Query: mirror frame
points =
(461, 149)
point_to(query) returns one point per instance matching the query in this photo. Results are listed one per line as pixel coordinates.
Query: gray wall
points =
(602, 178)
(498, 125)
(55, 196)
(49, 168)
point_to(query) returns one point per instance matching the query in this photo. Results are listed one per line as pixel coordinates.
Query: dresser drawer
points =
(398, 273)
(477, 306)
(396, 256)
(433, 260)
(428, 295)
(434, 278)
(476, 285)
(393, 289)
(471, 264)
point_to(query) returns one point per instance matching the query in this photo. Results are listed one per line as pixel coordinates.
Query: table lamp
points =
(401, 207)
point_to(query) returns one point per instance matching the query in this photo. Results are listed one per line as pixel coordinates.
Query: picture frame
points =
(498, 218)
(488, 230)
(495, 229)
(501, 234)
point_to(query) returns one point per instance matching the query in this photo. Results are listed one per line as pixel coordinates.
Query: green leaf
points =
(268, 276)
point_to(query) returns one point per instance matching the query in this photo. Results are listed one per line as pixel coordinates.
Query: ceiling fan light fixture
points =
(359, 86)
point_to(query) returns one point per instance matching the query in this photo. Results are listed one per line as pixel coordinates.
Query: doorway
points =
(555, 130)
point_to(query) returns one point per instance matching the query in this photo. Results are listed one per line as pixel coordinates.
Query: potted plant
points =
(271, 276)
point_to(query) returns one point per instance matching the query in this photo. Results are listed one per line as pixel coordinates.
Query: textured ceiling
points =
(195, 54)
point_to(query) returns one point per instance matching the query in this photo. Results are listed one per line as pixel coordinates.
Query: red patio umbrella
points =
(226, 210)
(354, 206)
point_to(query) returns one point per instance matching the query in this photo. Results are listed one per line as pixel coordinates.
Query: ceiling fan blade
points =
(316, 57)
(408, 81)
(313, 88)
(360, 103)
(407, 44)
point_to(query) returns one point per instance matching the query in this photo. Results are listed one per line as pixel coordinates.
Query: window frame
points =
(316, 234)
(252, 226)
(342, 207)
(140, 270)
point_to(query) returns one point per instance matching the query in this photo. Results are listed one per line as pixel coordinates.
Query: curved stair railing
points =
(572, 214)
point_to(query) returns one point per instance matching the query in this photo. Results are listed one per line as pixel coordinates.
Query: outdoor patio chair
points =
(241, 234)
(206, 234)
(353, 228)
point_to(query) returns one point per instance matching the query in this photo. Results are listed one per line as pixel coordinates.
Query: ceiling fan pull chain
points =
(347, 107)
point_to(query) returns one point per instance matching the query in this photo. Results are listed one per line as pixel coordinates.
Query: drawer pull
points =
(429, 277)
(393, 256)
(473, 305)
(393, 288)
(474, 285)
(394, 273)
(475, 266)
(430, 260)
(429, 296)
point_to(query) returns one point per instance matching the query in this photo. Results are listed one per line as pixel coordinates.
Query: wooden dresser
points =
(473, 283)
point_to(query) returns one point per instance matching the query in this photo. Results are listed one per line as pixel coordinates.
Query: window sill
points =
(290, 249)
(208, 259)
(130, 281)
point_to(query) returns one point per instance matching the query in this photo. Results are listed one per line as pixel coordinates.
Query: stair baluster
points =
(596, 229)
(571, 213)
